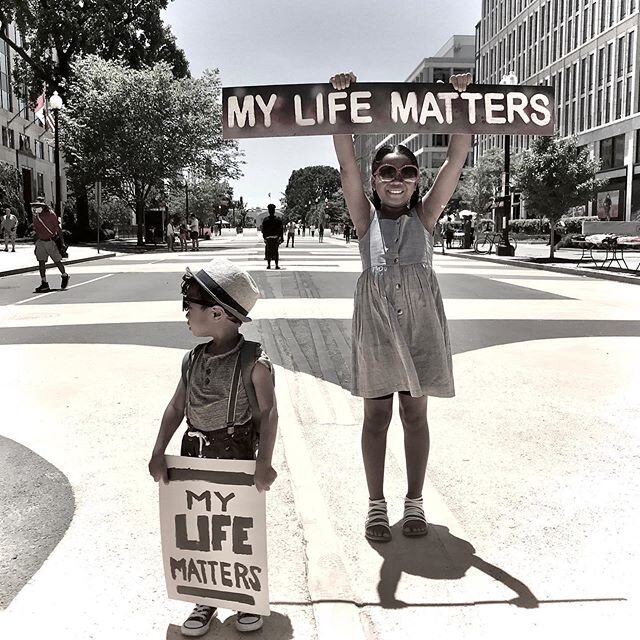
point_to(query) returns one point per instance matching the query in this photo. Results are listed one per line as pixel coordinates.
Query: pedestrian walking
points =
(320, 232)
(183, 233)
(313, 230)
(449, 231)
(47, 228)
(347, 233)
(194, 231)
(400, 339)
(291, 233)
(216, 300)
(9, 228)
(273, 234)
(171, 235)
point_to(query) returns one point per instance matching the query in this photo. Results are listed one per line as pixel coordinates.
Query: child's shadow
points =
(277, 626)
(438, 556)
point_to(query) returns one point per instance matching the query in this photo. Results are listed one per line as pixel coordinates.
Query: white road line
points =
(73, 286)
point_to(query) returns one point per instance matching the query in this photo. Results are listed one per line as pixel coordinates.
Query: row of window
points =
(24, 144)
(497, 14)
(532, 49)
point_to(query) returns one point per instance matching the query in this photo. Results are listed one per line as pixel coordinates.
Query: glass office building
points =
(588, 51)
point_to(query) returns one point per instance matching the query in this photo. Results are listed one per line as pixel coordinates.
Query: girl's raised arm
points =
(436, 199)
(358, 204)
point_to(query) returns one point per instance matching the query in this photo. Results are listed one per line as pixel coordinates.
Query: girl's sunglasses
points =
(408, 173)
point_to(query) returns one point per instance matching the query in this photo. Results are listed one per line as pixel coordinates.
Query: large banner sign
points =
(317, 109)
(214, 541)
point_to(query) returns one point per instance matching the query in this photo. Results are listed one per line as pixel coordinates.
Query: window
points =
(12, 139)
(51, 153)
(638, 146)
(630, 51)
(441, 74)
(5, 137)
(629, 97)
(609, 61)
(612, 152)
(619, 94)
(440, 140)
(39, 149)
(25, 143)
(40, 179)
(620, 57)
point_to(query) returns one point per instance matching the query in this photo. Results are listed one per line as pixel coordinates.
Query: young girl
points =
(400, 340)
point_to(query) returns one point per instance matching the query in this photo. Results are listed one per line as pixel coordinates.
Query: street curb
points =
(544, 267)
(13, 272)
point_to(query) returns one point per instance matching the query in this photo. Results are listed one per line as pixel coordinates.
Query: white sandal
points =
(198, 623)
(377, 517)
(414, 512)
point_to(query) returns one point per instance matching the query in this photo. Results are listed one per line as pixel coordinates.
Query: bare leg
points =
(377, 417)
(60, 267)
(42, 270)
(413, 414)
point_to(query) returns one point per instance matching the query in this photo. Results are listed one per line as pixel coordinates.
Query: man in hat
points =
(273, 234)
(9, 226)
(217, 300)
(46, 228)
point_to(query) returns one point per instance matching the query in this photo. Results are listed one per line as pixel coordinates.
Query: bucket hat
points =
(229, 285)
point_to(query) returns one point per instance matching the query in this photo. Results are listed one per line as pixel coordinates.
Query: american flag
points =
(43, 114)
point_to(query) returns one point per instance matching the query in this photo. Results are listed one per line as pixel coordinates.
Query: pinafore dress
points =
(400, 338)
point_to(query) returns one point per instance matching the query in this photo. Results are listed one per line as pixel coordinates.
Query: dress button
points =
(206, 380)
(398, 286)
(395, 260)
(399, 312)
(208, 371)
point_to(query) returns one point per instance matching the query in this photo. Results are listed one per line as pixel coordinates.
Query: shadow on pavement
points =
(36, 508)
(277, 626)
(438, 556)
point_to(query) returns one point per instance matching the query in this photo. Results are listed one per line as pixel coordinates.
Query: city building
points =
(456, 56)
(588, 51)
(25, 144)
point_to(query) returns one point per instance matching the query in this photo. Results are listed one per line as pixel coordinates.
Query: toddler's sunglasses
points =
(186, 301)
(387, 173)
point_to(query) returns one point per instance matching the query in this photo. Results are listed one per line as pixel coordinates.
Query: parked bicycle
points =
(486, 240)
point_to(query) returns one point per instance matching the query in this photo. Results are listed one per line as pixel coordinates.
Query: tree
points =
(307, 189)
(553, 176)
(53, 34)
(136, 129)
(479, 183)
(11, 192)
(428, 177)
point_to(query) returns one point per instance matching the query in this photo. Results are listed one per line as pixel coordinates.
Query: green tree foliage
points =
(479, 183)
(307, 189)
(11, 192)
(554, 175)
(137, 129)
(53, 34)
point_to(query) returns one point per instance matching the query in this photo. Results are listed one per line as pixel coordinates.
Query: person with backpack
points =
(226, 392)
(47, 229)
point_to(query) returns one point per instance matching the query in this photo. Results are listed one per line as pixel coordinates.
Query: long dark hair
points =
(377, 161)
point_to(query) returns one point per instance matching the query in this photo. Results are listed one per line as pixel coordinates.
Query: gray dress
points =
(400, 338)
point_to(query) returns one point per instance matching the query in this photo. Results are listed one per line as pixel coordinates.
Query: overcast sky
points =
(255, 42)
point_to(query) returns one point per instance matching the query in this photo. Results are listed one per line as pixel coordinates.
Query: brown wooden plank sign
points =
(213, 528)
(318, 109)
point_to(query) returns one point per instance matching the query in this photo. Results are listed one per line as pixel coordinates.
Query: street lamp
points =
(508, 250)
(56, 104)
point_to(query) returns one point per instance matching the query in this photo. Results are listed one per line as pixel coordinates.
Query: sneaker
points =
(198, 623)
(43, 288)
(65, 281)
(248, 622)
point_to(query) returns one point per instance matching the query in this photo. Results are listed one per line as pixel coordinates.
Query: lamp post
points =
(56, 104)
(508, 250)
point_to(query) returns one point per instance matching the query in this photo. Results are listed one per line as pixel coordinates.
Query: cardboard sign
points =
(214, 540)
(318, 109)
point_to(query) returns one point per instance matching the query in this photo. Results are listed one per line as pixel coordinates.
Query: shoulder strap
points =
(187, 361)
(249, 355)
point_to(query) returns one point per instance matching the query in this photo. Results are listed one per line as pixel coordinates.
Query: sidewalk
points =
(23, 260)
(565, 261)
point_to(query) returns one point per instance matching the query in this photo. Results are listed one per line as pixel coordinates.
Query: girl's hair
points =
(377, 161)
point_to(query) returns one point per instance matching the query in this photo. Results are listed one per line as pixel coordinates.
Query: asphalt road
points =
(532, 482)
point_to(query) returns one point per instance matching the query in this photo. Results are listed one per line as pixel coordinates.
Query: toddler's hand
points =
(264, 476)
(158, 468)
(342, 80)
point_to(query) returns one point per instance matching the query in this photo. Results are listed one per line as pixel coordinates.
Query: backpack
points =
(249, 355)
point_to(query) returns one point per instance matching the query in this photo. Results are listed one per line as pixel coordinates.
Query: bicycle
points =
(485, 242)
